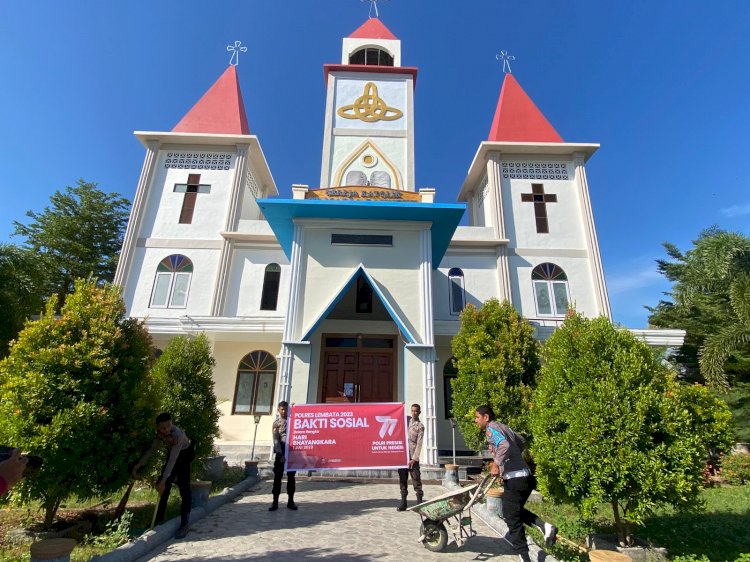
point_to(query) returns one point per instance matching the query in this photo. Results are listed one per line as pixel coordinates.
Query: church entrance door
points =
(358, 368)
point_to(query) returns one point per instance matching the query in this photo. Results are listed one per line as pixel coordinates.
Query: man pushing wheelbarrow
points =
(506, 447)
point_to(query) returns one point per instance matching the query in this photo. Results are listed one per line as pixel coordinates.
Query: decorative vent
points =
(250, 182)
(198, 160)
(482, 193)
(535, 170)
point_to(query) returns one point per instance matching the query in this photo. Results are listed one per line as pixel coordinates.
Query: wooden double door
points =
(358, 369)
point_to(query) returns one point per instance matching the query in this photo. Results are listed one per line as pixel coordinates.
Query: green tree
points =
(78, 236)
(612, 425)
(710, 301)
(497, 360)
(184, 375)
(75, 390)
(20, 282)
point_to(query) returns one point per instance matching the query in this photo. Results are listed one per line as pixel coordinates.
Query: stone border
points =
(154, 538)
(499, 526)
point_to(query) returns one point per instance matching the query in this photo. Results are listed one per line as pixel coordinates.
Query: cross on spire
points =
(236, 49)
(373, 4)
(506, 58)
(540, 200)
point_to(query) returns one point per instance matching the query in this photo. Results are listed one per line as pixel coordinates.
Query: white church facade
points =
(351, 290)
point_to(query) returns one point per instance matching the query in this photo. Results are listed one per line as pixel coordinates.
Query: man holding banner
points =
(415, 434)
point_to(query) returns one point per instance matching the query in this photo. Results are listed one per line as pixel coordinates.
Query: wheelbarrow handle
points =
(481, 490)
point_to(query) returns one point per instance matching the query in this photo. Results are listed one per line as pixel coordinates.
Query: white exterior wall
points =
(480, 279)
(327, 268)
(238, 427)
(162, 216)
(565, 218)
(580, 287)
(143, 273)
(246, 274)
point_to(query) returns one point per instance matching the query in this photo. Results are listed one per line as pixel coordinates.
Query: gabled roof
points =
(219, 111)
(362, 270)
(373, 28)
(517, 119)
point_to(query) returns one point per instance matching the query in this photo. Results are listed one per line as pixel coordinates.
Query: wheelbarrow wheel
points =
(435, 535)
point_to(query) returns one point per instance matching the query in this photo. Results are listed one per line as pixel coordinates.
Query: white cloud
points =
(736, 210)
(629, 281)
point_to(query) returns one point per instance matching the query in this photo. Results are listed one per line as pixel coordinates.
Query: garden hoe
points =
(124, 501)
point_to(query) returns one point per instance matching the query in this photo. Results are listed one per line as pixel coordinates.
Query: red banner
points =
(344, 436)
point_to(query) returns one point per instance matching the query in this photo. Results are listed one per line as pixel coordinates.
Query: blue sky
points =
(663, 86)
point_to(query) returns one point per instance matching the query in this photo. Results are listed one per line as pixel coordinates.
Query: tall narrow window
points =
(256, 380)
(550, 290)
(449, 375)
(364, 295)
(271, 279)
(457, 294)
(172, 282)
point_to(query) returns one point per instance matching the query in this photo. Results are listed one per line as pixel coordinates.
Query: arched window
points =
(371, 57)
(256, 380)
(449, 374)
(271, 279)
(550, 290)
(172, 282)
(457, 294)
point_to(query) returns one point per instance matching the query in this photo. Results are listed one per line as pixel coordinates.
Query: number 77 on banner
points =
(388, 425)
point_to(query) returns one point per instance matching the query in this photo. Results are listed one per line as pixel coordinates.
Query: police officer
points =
(416, 435)
(279, 448)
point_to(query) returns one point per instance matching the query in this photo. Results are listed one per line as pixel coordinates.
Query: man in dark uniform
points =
(415, 435)
(506, 447)
(279, 448)
(177, 468)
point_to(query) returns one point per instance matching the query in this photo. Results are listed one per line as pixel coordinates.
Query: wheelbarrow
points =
(449, 509)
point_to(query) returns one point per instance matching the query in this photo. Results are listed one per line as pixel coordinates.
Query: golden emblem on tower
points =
(369, 107)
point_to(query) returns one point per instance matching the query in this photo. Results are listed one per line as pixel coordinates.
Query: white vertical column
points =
(494, 180)
(136, 213)
(428, 349)
(222, 274)
(592, 242)
(286, 357)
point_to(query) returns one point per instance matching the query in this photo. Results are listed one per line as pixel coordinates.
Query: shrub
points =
(497, 360)
(184, 375)
(75, 390)
(736, 468)
(611, 425)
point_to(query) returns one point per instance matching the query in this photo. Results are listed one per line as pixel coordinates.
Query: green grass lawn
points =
(720, 532)
(141, 504)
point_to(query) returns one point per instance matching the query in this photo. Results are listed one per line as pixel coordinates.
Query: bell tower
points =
(369, 122)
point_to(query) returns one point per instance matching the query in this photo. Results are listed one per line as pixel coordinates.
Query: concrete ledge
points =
(499, 526)
(150, 540)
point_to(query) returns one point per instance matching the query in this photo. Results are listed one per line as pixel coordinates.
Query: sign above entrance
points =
(363, 193)
(346, 436)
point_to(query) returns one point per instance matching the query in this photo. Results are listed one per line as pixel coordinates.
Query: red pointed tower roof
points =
(373, 28)
(220, 110)
(517, 119)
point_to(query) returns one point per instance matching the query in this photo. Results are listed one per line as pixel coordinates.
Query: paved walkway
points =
(336, 520)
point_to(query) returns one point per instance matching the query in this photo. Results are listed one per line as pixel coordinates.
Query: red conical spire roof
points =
(517, 119)
(373, 28)
(220, 110)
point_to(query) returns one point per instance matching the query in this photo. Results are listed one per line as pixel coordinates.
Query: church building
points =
(351, 290)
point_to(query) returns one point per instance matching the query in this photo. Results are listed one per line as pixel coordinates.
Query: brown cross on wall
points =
(540, 200)
(191, 189)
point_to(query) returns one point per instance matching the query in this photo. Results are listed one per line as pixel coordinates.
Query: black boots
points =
(402, 505)
(420, 497)
(275, 504)
(290, 504)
